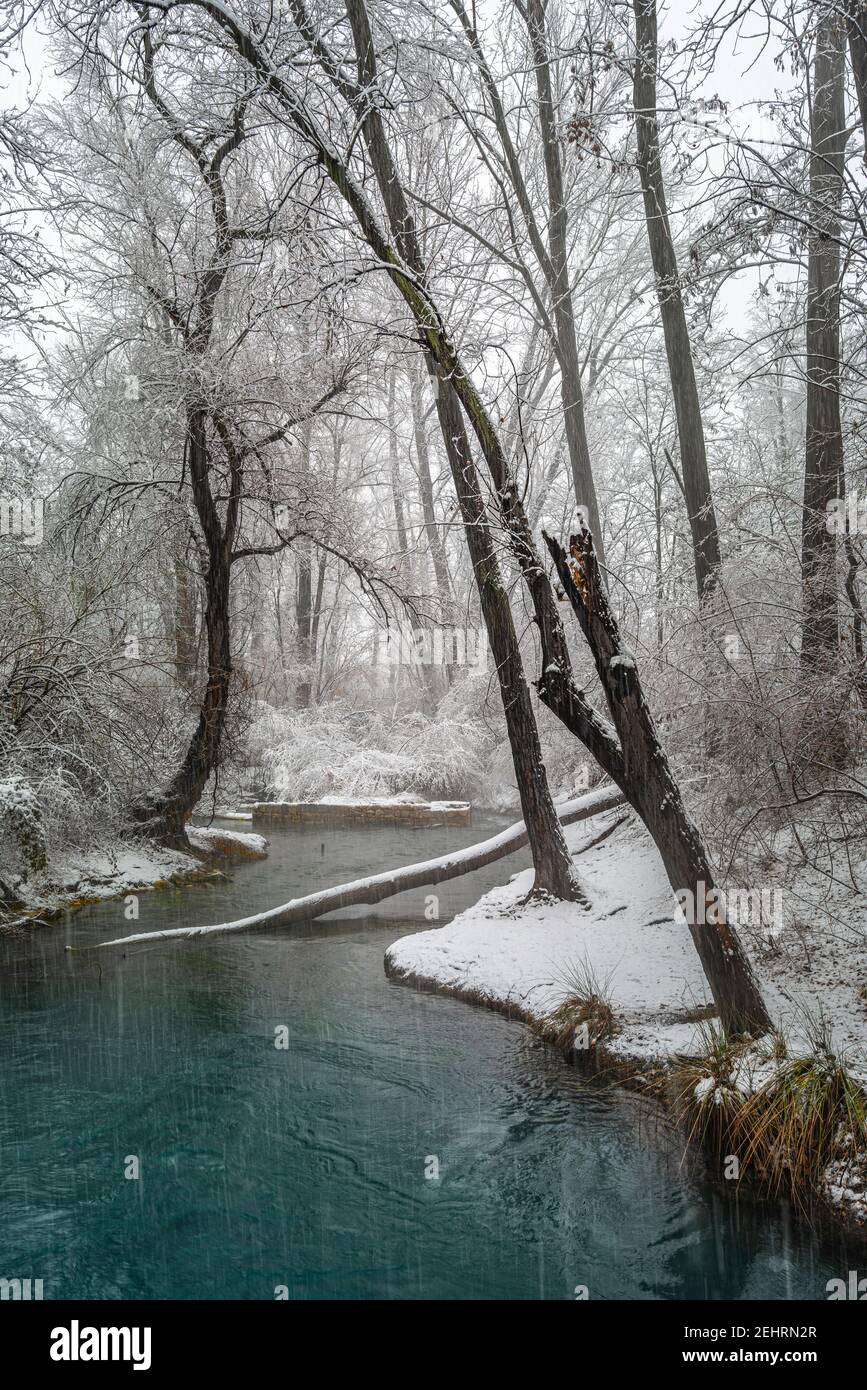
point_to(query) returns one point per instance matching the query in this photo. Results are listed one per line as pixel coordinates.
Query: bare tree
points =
(823, 472)
(690, 427)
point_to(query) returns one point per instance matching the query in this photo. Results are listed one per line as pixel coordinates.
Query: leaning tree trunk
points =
(646, 779)
(690, 428)
(375, 888)
(551, 858)
(823, 470)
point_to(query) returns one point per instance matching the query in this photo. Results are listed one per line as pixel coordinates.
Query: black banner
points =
(153, 1338)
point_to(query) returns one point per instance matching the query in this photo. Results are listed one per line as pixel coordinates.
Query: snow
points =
(402, 799)
(96, 875)
(844, 1184)
(209, 839)
(520, 955)
(356, 802)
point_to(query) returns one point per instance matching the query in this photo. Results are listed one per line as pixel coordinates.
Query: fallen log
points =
(372, 890)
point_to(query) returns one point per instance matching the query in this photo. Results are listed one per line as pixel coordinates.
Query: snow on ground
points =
(211, 840)
(521, 955)
(91, 876)
(401, 799)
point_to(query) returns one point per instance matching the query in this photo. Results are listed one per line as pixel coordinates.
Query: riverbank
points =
(77, 879)
(620, 987)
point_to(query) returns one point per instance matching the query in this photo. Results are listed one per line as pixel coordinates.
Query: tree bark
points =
(394, 474)
(425, 483)
(571, 390)
(186, 633)
(304, 589)
(690, 428)
(857, 27)
(823, 472)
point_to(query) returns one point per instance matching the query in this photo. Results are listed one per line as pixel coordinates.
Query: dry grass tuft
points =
(585, 1015)
(803, 1113)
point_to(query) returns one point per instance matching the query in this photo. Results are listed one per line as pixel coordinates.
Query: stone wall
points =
(354, 815)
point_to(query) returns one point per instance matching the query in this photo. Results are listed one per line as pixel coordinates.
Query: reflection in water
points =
(305, 1166)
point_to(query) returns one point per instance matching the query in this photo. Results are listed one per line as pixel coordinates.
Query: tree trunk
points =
(551, 859)
(164, 816)
(304, 588)
(425, 483)
(571, 391)
(690, 428)
(857, 26)
(647, 781)
(186, 634)
(823, 471)
(403, 562)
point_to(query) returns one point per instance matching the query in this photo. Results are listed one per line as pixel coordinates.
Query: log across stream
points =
(377, 887)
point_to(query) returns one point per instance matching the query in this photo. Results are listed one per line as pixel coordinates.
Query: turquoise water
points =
(304, 1168)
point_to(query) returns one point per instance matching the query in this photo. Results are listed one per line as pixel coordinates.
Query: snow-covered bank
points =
(633, 960)
(521, 955)
(227, 844)
(79, 878)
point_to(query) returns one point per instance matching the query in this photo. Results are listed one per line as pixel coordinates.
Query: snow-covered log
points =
(385, 885)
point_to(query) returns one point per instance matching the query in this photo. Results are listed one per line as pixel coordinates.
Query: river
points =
(400, 1145)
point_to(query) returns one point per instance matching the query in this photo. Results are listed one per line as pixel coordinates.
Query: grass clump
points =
(707, 1095)
(811, 1114)
(585, 1015)
(789, 1119)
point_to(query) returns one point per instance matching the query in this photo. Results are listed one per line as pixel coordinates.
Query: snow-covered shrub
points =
(22, 820)
(341, 752)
